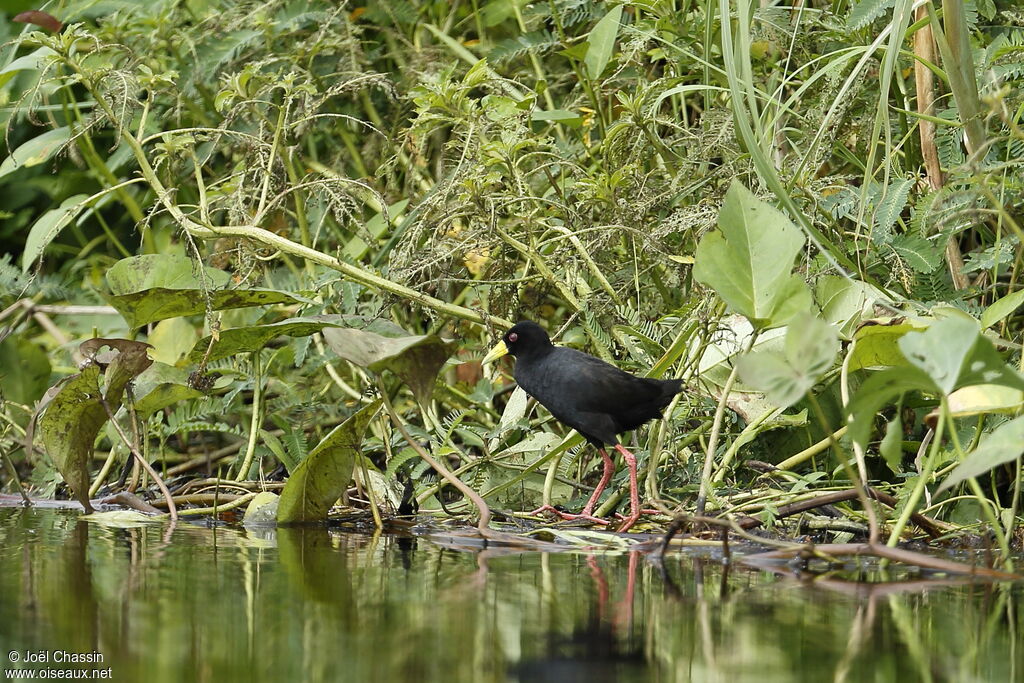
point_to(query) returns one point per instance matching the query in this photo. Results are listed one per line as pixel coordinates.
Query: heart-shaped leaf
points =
(810, 350)
(749, 261)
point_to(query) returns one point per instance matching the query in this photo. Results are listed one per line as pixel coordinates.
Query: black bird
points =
(596, 399)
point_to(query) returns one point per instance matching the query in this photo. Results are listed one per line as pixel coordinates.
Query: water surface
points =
(193, 603)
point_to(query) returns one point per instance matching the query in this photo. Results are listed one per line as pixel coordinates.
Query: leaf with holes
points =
(76, 413)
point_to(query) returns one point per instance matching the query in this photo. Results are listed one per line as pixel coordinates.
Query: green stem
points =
(716, 430)
(915, 495)
(254, 423)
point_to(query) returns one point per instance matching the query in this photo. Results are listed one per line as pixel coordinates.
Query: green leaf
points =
(920, 254)
(564, 116)
(1001, 308)
(30, 62)
(748, 262)
(890, 207)
(165, 271)
(953, 354)
(879, 390)
(161, 386)
(866, 11)
(154, 287)
(36, 151)
(253, 338)
(891, 446)
(415, 359)
(171, 340)
(76, 414)
(322, 476)
(1004, 444)
(985, 398)
(69, 427)
(121, 519)
(845, 302)
(602, 42)
(24, 371)
(810, 350)
(877, 344)
(49, 225)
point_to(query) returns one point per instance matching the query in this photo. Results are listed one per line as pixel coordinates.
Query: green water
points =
(201, 604)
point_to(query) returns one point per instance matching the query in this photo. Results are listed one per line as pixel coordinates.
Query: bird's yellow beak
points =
(496, 352)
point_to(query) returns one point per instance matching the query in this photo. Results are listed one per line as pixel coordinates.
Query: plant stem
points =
(254, 423)
(716, 429)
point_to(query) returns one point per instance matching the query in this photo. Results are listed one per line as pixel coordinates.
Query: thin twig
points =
(142, 461)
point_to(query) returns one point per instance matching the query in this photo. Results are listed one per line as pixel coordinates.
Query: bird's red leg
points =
(634, 492)
(606, 476)
(587, 512)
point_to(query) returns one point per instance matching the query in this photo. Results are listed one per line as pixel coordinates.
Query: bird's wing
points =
(599, 387)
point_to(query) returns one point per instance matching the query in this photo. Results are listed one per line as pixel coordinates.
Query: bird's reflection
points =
(600, 649)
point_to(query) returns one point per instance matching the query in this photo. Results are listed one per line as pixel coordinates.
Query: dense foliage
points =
(249, 187)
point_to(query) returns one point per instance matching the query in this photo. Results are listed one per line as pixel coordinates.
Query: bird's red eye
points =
(513, 337)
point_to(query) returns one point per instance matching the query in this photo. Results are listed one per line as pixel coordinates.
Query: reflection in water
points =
(215, 604)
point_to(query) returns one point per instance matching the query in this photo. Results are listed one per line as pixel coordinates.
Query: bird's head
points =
(525, 337)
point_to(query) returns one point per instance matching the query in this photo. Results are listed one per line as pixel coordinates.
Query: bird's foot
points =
(628, 522)
(585, 515)
(645, 511)
(632, 519)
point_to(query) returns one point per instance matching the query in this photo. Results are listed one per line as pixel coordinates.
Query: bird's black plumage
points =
(595, 398)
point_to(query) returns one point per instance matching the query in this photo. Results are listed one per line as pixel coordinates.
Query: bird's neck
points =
(536, 354)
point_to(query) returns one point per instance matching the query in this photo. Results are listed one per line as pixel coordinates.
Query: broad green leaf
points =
(161, 386)
(76, 414)
(1004, 444)
(262, 510)
(49, 225)
(171, 340)
(749, 261)
(879, 390)
(33, 61)
(247, 339)
(24, 372)
(415, 359)
(1001, 308)
(877, 344)
(810, 351)
(166, 271)
(845, 303)
(891, 446)
(602, 42)
(154, 287)
(36, 151)
(953, 354)
(985, 398)
(121, 519)
(322, 476)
